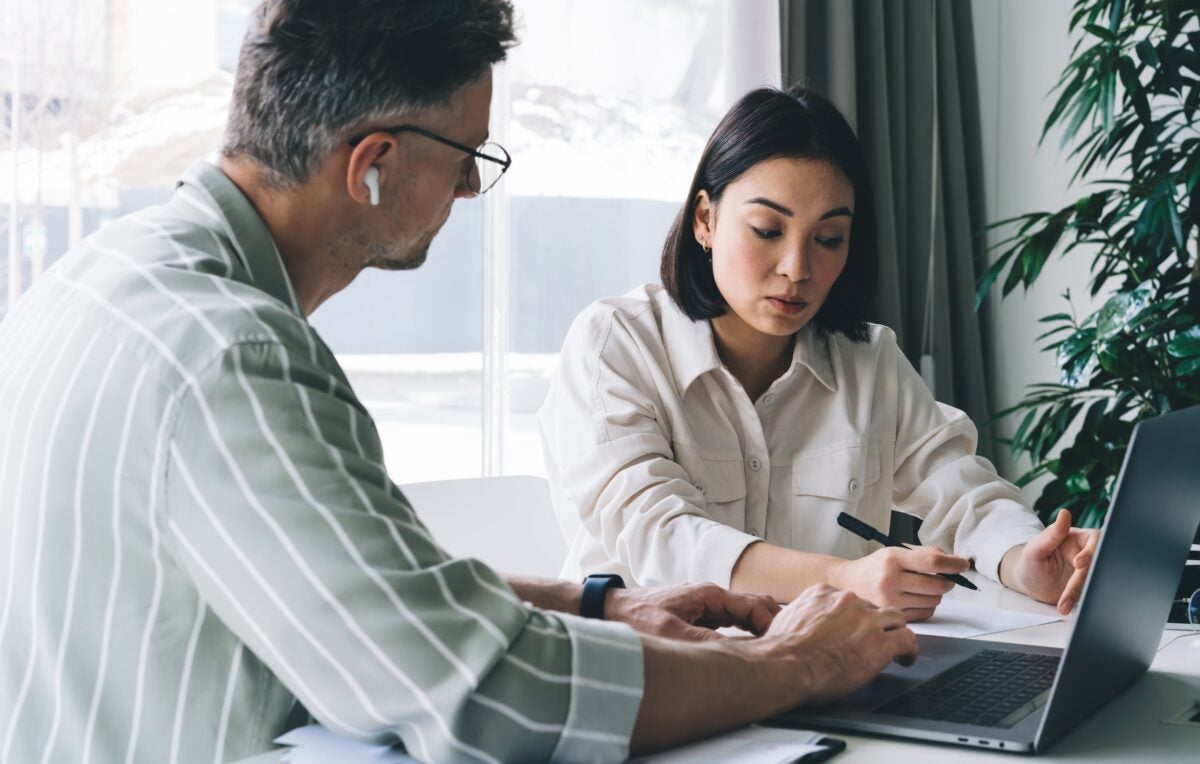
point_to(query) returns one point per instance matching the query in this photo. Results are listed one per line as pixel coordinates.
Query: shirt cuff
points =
(718, 551)
(607, 683)
(994, 542)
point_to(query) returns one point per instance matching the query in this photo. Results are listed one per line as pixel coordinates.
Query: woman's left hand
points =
(1053, 565)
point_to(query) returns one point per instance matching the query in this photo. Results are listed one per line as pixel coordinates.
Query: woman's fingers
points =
(931, 560)
(921, 583)
(917, 601)
(916, 615)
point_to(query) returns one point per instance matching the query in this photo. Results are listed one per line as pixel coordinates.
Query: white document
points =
(959, 618)
(748, 745)
(316, 745)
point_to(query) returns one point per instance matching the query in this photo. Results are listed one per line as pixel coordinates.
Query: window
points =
(604, 107)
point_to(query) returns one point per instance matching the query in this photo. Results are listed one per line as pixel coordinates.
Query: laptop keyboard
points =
(993, 688)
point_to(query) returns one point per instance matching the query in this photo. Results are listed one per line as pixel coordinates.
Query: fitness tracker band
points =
(595, 587)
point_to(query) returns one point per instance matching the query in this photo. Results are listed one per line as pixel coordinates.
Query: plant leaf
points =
(1185, 344)
(1119, 311)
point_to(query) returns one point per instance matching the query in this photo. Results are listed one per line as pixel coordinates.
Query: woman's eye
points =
(830, 242)
(765, 233)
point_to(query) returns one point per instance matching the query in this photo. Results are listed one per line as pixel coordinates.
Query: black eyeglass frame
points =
(504, 163)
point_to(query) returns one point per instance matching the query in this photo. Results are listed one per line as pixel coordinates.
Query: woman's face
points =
(779, 241)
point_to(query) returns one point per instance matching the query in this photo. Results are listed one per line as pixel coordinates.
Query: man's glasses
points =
(491, 160)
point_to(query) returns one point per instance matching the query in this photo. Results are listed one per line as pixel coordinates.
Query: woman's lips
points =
(787, 305)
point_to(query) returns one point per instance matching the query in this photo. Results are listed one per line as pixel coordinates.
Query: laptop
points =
(1022, 698)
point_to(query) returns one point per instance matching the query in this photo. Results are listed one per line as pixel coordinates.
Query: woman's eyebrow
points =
(836, 212)
(773, 205)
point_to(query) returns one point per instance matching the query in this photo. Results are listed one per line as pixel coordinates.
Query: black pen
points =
(862, 530)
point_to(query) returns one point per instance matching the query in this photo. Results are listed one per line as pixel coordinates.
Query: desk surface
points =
(1129, 728)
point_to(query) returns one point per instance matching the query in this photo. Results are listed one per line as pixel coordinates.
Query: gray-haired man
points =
(201, 544)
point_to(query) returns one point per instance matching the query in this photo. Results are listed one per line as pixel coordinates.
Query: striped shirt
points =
(200, 546)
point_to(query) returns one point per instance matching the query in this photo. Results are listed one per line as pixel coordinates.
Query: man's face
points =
(425, 178)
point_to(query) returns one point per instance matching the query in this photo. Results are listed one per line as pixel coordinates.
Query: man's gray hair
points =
(310, 70)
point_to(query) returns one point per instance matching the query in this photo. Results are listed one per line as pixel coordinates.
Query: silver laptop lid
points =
(1145, 539)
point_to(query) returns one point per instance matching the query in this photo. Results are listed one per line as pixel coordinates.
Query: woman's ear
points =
(704, 219)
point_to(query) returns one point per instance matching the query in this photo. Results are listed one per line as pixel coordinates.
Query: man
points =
(204, 547)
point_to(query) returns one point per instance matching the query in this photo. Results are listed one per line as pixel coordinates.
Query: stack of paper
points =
(749, 745)
(316, 745)
(959, 618)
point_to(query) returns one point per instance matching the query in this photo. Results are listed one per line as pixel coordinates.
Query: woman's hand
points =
(1053, 565)
(903, 579)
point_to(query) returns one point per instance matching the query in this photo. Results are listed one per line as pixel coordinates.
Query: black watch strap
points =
(595, 587)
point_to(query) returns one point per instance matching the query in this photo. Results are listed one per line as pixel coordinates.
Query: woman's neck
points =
(754, 358)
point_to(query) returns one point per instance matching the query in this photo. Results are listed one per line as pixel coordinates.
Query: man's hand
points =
(689, 612)
(1053, 565)
(903, 579)
(842, 641)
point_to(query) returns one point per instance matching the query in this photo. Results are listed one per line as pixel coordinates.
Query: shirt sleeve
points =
(611, 456)
(964, 505)
(279, 507)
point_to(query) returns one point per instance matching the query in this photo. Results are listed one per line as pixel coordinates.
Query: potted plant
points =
(1127, 104)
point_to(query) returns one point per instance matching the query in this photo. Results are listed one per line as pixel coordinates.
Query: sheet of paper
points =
(316, 745)
(749, 745)
(958, 618)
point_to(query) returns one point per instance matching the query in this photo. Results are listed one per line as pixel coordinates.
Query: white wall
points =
(1022, 48)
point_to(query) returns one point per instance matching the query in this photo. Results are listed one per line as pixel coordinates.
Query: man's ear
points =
(363, 157)
(704, 219)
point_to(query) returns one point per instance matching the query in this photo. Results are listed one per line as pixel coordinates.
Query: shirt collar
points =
(689, 344)
(812, 350)
(244, 231)
(693, 351)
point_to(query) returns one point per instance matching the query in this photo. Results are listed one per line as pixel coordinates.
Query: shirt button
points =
(699, 486)
(754, 532)
(755, 464)
(769, 398)
(855, 487)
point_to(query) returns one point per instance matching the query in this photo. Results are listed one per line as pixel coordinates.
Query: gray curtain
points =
(874, 59)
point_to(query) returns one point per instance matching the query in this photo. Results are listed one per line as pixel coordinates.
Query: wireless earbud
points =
(371, 178)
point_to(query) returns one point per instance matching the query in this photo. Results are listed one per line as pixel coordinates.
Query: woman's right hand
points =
(899, 578)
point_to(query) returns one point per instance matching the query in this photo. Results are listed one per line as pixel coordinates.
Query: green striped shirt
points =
(202, 547)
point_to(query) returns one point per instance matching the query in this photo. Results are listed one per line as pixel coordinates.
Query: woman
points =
(712, 429)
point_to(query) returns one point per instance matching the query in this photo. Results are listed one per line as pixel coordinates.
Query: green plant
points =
(1127, 104)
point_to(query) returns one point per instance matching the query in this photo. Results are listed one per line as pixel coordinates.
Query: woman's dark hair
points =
(768, 123)
(310, 70)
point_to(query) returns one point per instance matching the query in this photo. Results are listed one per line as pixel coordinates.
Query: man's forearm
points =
(547, 593)
(695, 689)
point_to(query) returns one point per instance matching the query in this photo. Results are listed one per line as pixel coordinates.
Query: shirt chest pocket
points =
(722, 482)
(834, 481)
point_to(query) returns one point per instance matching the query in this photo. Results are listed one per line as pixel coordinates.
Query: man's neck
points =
(301, 225)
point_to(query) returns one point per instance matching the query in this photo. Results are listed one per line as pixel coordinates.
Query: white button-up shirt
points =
(663, 470)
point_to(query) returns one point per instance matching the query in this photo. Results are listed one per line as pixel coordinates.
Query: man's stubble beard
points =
(387, 261)
(388, 257)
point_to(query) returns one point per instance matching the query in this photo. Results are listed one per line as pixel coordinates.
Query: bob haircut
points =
(768, 123)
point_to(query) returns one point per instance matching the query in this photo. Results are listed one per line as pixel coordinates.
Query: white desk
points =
(1128, 729)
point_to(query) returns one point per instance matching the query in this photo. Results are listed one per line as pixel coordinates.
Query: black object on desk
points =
(862, 530)
(833, 746)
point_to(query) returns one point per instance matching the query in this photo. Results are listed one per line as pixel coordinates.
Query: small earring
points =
(707, 252)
